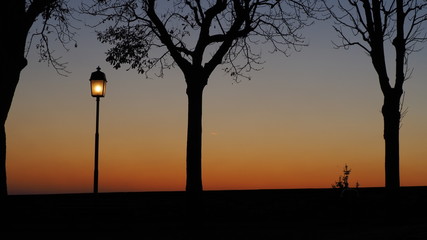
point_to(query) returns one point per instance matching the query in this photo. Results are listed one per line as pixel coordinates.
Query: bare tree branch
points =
(191, 31)
(55, 24)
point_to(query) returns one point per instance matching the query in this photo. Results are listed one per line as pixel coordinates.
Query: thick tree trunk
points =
(3, 178)
(12, 63)
(391, 115)
(194, 136)
(194, 186)
(11, 71)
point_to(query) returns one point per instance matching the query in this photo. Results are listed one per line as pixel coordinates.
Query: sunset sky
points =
(295, 124)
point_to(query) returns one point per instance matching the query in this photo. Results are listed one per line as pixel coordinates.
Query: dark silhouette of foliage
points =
(348, 194)
(198, 36)
(375, 26)
(342, 182)
(18, 36)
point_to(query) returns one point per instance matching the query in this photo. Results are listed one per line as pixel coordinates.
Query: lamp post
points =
(98, 84)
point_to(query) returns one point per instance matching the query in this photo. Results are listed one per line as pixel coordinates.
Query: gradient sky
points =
(295, 124)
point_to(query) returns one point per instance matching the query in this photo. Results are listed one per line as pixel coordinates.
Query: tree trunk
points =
(194, 187)
(3, 178)
(391, 115)
(194, 136)
(13, 61)
(11, 71)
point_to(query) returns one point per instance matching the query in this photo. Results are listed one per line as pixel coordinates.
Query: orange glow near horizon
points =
(295, 124)
(130, 163)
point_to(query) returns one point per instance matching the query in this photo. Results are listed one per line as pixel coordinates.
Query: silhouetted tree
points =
(372, 25)
(197, 36)
(18, 17)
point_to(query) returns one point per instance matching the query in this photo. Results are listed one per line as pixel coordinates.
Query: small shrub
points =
(342, 182)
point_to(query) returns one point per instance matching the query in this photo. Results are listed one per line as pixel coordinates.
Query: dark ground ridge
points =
(228, 214)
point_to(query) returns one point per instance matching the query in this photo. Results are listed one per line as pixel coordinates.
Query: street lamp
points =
(98, 84)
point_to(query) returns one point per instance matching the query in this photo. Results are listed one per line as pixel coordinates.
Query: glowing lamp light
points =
(98, 83)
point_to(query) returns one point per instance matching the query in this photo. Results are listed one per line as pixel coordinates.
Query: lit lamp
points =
(98, 84)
